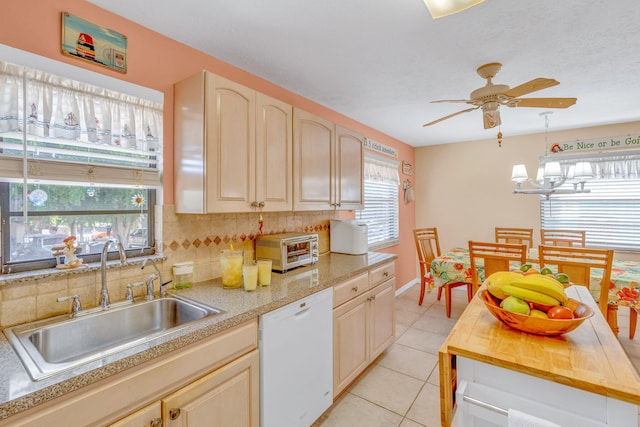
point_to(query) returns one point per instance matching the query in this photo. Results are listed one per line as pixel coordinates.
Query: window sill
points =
(383, 245)
(26, 276)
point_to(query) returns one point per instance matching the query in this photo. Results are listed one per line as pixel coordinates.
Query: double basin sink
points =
(51, 346)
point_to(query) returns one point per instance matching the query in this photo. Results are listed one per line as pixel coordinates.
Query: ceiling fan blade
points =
(453, 100)
(531, 86)
(449, 116)
(545, 102)
(491, 119)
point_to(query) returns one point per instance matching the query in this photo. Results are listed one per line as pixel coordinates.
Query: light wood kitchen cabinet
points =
(328, 164)
(220, 360)
(221, 133)
(274, 154)
(226, 397)
(349, 169)
(382, 322)
(150, 416)
(363, 326)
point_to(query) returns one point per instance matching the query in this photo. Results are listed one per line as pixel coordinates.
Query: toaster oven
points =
(288, 250)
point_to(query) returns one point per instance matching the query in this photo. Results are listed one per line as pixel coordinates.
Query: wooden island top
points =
(589, 358)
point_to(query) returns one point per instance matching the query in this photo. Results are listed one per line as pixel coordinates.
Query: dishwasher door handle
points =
(302, 312)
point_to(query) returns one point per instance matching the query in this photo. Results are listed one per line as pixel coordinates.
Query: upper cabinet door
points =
(230, 145)
(189, 149)
(274, 155)
(349, 169)
(313, 142)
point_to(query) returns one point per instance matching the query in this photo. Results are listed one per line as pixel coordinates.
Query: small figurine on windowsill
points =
(69, 250)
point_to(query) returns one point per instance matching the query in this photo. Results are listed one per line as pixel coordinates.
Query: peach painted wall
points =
(466, 190)
(157, 62)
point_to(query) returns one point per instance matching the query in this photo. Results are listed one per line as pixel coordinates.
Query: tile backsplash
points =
(197, 238)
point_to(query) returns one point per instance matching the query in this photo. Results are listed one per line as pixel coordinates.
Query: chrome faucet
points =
(149, 283)
(76, 307)
(104, 292)
(163, 291)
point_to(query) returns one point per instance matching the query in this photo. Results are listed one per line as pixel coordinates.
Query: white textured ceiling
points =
(380, 62)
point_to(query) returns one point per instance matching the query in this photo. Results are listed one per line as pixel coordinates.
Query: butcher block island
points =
(490, 372)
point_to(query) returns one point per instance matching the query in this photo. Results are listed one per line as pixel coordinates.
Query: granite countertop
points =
(18, 392)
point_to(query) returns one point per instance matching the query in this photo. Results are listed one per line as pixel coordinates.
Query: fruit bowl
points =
(537, 325)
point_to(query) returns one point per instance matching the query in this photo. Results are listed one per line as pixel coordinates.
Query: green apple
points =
(515, 305)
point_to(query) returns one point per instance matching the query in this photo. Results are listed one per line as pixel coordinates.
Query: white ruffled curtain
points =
(605, 165)
(381, 170)
(81, 118)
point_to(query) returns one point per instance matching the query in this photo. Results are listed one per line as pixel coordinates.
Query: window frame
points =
(394, 229)
(17, 169)
(21, 266)
(609, 213)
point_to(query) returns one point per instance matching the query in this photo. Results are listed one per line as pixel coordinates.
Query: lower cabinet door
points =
(349, 342)
(149, 416)
(226, 397)
(382, 318)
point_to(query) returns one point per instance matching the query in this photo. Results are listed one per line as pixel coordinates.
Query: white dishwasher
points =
(296, 361)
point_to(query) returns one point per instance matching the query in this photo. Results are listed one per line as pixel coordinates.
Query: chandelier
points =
(551, 175)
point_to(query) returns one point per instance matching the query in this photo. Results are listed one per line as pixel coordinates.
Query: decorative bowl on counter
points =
(537, 325)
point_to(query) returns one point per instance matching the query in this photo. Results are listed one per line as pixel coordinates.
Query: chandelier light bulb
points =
(519, 173)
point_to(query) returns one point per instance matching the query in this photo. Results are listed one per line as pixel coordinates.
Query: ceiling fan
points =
(491, 96)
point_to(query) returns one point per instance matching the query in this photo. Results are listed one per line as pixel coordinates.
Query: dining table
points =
(455, 266)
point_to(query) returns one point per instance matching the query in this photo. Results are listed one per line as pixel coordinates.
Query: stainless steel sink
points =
(54, 345)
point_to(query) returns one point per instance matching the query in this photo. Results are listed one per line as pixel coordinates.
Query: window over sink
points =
(76, 158)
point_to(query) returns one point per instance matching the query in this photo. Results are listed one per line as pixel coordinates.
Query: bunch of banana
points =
(537, 288)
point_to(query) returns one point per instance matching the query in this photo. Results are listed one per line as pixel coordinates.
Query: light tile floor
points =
(401, 388)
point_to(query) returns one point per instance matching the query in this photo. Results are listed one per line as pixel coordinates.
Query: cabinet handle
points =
(174, 413)
(156, 422)
(354, 289)
(261, 204)
(385, 274)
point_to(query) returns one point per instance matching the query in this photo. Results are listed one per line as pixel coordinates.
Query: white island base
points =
(486, 392)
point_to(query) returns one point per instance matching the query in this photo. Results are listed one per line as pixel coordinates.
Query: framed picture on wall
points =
(90, 42)
(407, 168)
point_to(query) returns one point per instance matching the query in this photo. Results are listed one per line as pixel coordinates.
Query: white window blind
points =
(380, 213)
(609, 213)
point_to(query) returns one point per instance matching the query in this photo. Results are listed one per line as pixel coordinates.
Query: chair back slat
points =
(427, 246)
(577, 263)
(514, 235)
(495, 256)
(571, 238)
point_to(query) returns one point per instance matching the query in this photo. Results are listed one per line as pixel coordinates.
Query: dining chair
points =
(515, 235)
(495, 257)
(572, 238)
(577, 263)
(428, 248)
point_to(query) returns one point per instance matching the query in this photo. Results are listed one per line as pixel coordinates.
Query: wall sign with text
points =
(380, 148)
(598, 144)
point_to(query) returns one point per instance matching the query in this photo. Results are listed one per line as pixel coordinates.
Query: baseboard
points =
(406, 287)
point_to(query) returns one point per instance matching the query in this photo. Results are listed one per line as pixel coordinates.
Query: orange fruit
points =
(560, 312)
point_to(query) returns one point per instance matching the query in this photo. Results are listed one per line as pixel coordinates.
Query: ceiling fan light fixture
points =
(440, 8)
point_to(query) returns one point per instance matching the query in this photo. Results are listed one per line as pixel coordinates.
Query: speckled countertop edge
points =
(19, 393)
